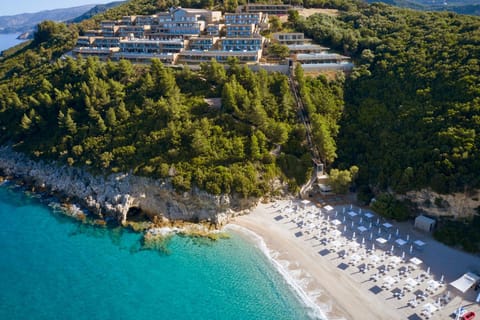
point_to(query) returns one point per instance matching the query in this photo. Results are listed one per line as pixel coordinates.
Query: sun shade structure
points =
(466, 281)
(328, 208)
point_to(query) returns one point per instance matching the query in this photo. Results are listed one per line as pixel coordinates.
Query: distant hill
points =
(470, 7)
(96, 10)
(26, 22)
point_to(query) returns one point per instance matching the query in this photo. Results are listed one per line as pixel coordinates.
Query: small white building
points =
(324, 188)
(424, 223)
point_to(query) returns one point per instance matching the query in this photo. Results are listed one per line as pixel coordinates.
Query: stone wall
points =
(114, 195)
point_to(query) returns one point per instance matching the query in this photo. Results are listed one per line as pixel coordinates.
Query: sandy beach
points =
(342, 287)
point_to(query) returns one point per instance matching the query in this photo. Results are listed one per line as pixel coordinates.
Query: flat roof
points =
(284, 33)
(95, 50)
(240, 13)
(144, 55)
(320, 56)
(306, 47)
(191, 10)
(218, 52)
(240, 24)
(465, 282)
(151, 41)
(268, 5)
(243, 38)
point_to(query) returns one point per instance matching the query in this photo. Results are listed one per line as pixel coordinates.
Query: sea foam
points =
(295, 278)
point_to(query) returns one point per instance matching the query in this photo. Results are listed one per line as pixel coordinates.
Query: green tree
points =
(323, 139)
(275, 23)
(111, 118)
(279, 51)
(254, 147)
(26, 122)
(66, 122)
(341, 180)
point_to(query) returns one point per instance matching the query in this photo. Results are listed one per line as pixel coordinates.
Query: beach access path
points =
(345, 293)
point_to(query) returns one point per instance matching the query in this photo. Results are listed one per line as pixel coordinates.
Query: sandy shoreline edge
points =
(316, 311)
(302, 245)
(319, 284)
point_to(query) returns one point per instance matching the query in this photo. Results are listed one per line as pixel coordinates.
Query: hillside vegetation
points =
(412, 106)
(408, 116)
(471, 7)
(154, 121)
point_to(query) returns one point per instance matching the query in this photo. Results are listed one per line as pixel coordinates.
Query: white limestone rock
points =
(114, 195)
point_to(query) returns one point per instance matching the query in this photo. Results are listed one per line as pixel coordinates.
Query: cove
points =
(53, 267)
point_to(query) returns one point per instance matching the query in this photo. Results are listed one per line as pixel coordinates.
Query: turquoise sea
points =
(53, 267)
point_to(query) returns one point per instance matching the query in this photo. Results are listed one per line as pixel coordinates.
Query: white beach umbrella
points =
(373, 246)
(353, 224)
(363, 240)
(397, 232)
(360, 210)
(379, 230)
(353, 235)
(403, 255)
(441, 281)
(336, 214)
(351, 206)
(378, 220)
(371, 236)
(428, 271)
(408, 237)
(361, 220)
(389, 237)
(411, 249)
(344, 219)
(344, 228)
(391, 250)
(370, 226)
(343, 209)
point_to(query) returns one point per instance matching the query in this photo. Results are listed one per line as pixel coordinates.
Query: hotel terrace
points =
(192, 36)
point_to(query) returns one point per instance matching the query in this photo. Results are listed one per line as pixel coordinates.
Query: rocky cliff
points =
(458, 205)
(117, 195)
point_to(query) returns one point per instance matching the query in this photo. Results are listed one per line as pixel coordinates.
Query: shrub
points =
(386, 205)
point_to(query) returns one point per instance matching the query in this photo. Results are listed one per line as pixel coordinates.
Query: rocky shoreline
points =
(124, 198)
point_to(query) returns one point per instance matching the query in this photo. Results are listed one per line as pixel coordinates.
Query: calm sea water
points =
(52, 267)
(8, 40)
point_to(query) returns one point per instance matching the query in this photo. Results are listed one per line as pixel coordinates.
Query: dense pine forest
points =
(155, 121)
(412, 104)
(407, 116)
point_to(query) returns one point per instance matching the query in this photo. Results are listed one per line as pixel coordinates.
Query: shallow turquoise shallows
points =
(52, 267)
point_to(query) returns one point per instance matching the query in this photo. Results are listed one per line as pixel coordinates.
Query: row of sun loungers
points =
(362, 241)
